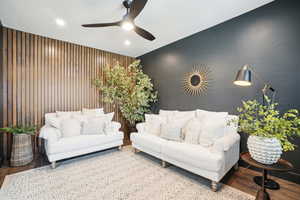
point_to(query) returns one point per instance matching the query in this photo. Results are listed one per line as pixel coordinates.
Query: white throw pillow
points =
(55, 121)
(233, 126)
(82, 118)
(70, 127)
(153, 122)
(212, 129)
(171, 131)
(181, 123)
(93, 126)
(109, 116)
(191, 131)
(96, 125)
(96, 111)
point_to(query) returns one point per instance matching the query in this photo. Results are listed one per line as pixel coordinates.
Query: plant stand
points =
(21, 150)
(264, 182)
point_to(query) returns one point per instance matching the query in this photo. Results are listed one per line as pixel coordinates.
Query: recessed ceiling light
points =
(60, 22)
(127, 42)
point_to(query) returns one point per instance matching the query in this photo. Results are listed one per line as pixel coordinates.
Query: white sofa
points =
(58, 147)
(212, 163)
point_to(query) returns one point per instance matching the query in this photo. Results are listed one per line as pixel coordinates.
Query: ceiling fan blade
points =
(101, 25)
(136, 7)
(145, 34)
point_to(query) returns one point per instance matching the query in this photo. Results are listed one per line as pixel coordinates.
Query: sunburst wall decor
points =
(197, 81)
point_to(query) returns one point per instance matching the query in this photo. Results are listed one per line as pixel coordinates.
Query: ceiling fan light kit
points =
(127, 25)
(133, 9)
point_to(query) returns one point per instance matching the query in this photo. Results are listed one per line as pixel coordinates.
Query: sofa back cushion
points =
(54, 119)
(49, 116)
(66, 114)
(212, 128)
(70, 127)
(93, 112)
(202, 114)
(166, 113)
(153, 123)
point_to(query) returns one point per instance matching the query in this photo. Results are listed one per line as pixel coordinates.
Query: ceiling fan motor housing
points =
(127, 4)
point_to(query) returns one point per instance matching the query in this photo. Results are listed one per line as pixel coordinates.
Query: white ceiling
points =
(168, 20)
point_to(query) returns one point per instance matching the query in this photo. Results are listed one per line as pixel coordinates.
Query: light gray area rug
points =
(113, 175)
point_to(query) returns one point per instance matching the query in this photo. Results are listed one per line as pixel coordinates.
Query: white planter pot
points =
(264, 150)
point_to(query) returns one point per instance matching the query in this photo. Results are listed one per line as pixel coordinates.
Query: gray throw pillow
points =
(171, 131)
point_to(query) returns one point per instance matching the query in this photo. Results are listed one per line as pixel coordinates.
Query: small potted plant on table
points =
(22, 148)
(270, 132)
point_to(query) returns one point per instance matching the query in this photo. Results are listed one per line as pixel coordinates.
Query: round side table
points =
(263, 181)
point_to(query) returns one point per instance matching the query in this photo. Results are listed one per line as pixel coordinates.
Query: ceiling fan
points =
(133, 9)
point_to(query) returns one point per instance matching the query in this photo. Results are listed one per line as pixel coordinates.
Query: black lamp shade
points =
(243, 77)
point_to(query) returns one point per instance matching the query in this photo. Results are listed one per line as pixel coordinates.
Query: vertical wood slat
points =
(41, 75)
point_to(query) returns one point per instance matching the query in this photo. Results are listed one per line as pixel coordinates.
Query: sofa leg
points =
(236, 166)
(164, 164)
(53, 165)
(135, 150)
(120, 147)
(214, 186)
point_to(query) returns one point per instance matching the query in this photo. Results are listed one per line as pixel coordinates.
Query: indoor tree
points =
(129, 88)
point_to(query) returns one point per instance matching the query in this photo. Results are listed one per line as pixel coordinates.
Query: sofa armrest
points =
(50, 134)
(112, 127)
(141, 127)
(226, 142)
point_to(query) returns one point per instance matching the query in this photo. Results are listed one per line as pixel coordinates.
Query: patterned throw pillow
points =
(191, 131)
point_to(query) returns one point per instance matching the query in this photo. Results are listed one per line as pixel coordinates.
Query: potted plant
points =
(270, 132)
(22, 148)
(129, 88)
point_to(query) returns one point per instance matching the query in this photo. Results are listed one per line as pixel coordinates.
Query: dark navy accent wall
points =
(267, 38)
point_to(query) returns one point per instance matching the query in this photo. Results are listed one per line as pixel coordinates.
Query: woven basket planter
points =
(21, 150)
(264, 150)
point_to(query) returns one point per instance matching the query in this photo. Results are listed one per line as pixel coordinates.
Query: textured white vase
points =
(264, 150)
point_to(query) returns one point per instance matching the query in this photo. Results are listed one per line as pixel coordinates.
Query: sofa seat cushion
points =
(151, 142)
(81, 142)
(194, 155)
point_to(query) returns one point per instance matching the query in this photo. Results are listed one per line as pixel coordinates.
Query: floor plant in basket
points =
(21, 153)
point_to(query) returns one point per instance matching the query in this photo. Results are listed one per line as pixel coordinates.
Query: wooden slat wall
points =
(1, 94)
(42, 75)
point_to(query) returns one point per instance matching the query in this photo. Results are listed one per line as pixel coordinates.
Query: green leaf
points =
(129, 88)
(266, 121)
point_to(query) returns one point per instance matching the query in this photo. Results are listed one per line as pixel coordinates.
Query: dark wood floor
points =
(240, 179)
